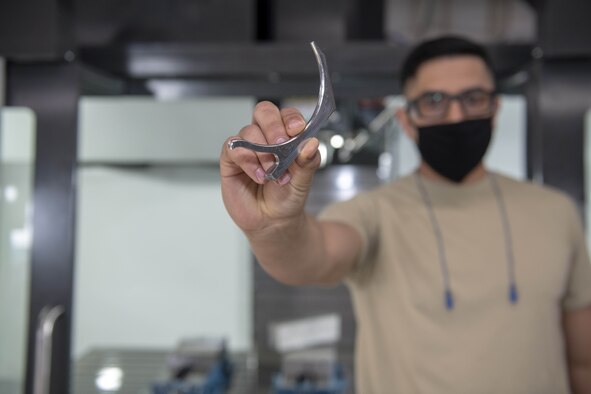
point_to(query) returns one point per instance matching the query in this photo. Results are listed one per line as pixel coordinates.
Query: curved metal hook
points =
(286, 152)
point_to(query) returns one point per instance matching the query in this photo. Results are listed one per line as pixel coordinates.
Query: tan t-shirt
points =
(407, 340)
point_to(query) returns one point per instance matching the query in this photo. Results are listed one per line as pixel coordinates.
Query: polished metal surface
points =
(43, 348)
(51, 91)
(286, 152)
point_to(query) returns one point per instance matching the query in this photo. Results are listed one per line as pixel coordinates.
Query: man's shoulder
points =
(531, 192)
(393, 193)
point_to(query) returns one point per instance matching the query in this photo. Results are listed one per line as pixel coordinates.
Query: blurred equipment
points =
(487, 21)
(198, 366)
(309, 361)
(315, 371)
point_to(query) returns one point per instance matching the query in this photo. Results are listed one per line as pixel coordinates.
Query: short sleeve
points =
(578, 289)
(359, 213)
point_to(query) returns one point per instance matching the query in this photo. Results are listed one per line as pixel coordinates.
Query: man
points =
(463, 280)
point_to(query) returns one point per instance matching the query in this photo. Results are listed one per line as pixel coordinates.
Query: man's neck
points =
(477, 174)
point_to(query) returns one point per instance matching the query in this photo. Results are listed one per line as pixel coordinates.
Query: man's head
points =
(443, 47)
(449, 85)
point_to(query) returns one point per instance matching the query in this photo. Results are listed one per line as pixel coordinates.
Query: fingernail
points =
(285, 178)
(280, 140)
(296, 123)
(260, 174)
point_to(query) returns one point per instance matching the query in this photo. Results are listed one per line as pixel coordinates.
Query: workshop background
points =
(118, 262)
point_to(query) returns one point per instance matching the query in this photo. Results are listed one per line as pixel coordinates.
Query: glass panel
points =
(158, 260)
(17, 144)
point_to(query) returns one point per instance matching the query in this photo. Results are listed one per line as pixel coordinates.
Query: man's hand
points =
(257, 205)
(293, 247)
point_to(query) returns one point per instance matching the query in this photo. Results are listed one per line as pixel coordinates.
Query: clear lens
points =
(434, 105)
(476, 102)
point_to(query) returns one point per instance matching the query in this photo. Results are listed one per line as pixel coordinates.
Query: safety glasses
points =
(475, 103)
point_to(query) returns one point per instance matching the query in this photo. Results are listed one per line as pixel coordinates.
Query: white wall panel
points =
(158, 259)
(141, 129)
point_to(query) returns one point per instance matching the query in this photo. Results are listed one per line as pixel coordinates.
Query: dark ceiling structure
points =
(254, 47)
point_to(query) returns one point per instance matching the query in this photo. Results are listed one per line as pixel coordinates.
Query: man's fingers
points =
(238, 160)
(268, 118)
(234, 162)
(278, 125)
(293, 120)
(270, 126)
(254, 134)
(309, 153)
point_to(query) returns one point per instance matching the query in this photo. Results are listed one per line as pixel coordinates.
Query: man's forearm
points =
(306, 251)
(292, 252)
(577, 330)
(580, 377)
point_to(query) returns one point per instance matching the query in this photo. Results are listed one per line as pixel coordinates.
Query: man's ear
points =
(496, 107)
(407, 126)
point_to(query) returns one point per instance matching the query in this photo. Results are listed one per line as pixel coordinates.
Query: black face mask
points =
(455, 149)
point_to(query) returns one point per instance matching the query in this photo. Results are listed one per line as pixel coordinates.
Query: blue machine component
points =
(217, 381)
(336, 384)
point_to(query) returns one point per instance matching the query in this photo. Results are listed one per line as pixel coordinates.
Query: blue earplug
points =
(513, 293)
(449, 300)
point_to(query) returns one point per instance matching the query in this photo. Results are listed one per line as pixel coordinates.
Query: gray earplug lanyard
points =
(513, 294)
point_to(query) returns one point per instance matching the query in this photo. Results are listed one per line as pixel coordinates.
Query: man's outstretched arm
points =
(292, 246)
(308, 252)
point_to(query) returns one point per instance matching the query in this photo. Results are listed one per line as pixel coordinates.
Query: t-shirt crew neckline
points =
(448, 190)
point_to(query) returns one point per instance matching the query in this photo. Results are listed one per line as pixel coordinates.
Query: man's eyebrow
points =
(474, 87)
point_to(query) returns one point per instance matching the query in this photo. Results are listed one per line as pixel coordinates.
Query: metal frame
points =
(359, 69)
(51, 90)
(559, 94)
(560, 99)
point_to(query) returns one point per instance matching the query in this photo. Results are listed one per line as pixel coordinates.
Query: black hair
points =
(441, 47)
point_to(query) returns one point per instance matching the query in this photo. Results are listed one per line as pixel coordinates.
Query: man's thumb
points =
(306, 164)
